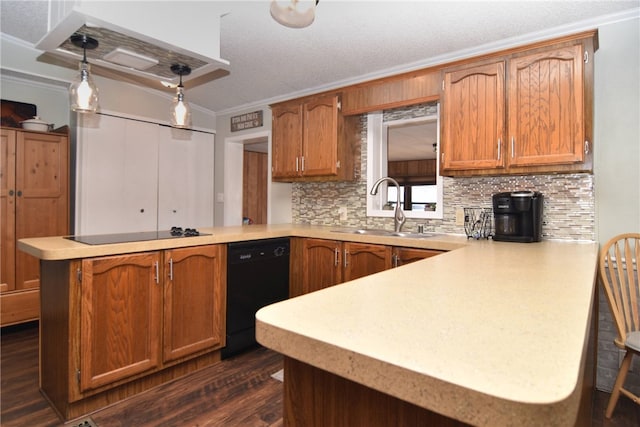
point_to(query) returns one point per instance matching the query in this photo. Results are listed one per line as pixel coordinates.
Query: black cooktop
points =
(105, 239)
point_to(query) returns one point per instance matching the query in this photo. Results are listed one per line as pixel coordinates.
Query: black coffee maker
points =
(518, 216)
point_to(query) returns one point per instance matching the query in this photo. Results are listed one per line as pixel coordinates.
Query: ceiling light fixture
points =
(83, 93)
(180, 109)
(291, 17)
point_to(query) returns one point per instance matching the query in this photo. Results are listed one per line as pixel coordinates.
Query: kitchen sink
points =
(379, 232)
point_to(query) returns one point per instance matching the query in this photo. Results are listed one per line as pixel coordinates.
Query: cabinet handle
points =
(346, 253)
(157, 271)
(395, 260)
(513, 147)
(297, 168)
(499, 147)
(302, 163)
(170, 268)
(586, 147)
(336, 261)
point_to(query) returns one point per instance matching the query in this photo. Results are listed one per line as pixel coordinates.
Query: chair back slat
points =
(620, 278)
(632, 281)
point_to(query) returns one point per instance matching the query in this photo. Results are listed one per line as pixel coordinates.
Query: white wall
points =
(228, 177)
(51, 98)
(617, 130)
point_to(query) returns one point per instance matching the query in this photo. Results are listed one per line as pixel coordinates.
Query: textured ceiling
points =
(349, 41)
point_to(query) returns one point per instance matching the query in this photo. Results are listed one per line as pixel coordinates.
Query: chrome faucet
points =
(398, 215)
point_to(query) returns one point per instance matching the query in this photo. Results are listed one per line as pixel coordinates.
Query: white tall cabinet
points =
(138, 176)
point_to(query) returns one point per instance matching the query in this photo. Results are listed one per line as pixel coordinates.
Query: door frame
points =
(278, 194)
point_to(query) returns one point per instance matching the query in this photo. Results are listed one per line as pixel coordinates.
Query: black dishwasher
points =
(257, 275)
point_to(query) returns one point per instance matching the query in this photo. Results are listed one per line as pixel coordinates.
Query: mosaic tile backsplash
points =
(569, 199)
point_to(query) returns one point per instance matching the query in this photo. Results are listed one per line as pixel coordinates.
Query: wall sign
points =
(246, 121)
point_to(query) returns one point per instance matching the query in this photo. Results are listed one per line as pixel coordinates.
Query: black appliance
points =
(518, 216)
(257, 275)
(105, 239)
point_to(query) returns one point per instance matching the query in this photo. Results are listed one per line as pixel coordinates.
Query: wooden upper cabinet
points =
(473, 117)
(313, 141)
(120, 318)
(320, 141)
(546, 107)
(547, 124)
(194, 300)
(287, 141)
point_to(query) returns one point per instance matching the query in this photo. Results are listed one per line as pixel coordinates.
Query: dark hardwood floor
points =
(236, 392)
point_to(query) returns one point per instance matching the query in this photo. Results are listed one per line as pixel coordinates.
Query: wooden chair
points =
(620, 277)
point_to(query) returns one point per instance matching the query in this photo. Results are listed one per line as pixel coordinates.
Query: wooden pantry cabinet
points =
(117, 325)
(313, 141)
(322, 263)
(526, 111)
(34, 202)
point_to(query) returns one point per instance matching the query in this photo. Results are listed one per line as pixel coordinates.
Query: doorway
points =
(254, 181)
(278, 194)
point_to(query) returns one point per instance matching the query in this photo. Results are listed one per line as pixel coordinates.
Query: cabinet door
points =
(287, 141)
(546, 120)
(120, 316)
(194, 300)
(7, 209)
(473, 118)
(402, 256)
(117, 187)
(185, 178)
(321, 265)
(320, 141)
(362, 259)
(41, 196)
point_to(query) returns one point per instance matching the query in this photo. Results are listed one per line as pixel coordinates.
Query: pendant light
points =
(291, 17)
(83, 93)
(180, 109)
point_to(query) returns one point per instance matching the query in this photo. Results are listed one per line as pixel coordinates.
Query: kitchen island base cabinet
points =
(314, 398)
(129, 324)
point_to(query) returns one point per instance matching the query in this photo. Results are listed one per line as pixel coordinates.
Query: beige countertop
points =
(58, 248)
(490, 333)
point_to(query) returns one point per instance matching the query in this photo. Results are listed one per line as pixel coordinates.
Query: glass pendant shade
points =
(180, 110)
(83, 93)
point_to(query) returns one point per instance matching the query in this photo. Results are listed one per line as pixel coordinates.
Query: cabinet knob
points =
(19, 193)
(11, 192)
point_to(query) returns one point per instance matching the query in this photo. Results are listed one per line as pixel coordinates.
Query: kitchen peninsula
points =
(488, 333)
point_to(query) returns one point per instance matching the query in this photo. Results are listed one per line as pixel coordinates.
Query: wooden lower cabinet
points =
(194, 301)
(120, 312)
(321, 263)
(131, 322)
(362, 259)
(402, 256)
